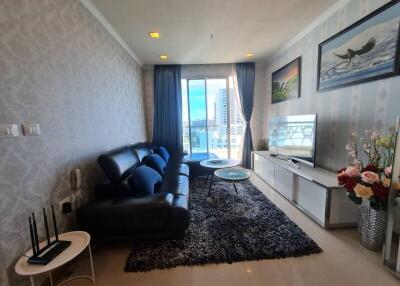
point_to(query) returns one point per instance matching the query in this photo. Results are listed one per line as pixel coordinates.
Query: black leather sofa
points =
(119, 213)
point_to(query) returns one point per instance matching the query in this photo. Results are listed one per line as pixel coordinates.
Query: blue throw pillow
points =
(155, 162)
(143, 180)
(163, 152)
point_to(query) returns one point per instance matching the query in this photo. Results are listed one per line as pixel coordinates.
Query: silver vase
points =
(371, 227)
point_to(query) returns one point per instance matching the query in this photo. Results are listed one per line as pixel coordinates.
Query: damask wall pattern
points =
(60, 68)
(374, 105)
(148, 83)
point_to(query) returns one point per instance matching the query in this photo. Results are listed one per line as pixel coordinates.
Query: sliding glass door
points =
(197, 115)
(212, 121)
(217, 110)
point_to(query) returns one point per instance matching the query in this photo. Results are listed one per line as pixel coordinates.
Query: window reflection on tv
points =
(293, 137)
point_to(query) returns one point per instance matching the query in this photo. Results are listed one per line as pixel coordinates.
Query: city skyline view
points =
(207, 127)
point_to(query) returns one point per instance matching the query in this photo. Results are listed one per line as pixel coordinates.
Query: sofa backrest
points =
(142, 150)
(118, 164)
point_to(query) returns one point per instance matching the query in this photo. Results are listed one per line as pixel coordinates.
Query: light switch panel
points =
(31, 129)
(9, 130)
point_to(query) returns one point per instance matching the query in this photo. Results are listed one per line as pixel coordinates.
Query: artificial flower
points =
(380, 191)
(369, 177)
(353, 171)
(363, 192)
(371, 167)
(388, 171)
(350, 184)
(386, 182)
(384, 141)
(342, 177)
(374, 136)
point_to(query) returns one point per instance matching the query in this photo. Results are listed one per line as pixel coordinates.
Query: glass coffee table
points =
(217, 164)
(232, 175)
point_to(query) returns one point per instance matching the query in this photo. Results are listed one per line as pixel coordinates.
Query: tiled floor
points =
(344, 262)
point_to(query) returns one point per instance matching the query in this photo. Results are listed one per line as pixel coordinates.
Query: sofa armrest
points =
(109, 190)
(126, 204)
(128, 215)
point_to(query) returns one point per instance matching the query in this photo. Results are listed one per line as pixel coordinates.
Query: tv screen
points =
(293, 137)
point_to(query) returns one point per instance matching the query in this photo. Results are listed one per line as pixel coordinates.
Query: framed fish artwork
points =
(365, 51)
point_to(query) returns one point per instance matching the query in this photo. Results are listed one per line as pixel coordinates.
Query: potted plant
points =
(262, 145)
(368, 184)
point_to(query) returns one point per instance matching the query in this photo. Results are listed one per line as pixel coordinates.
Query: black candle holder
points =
(52, 249)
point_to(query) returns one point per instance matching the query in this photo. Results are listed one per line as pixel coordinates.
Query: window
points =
(212, 118)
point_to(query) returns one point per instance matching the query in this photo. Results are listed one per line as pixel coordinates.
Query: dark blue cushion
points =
(155, 162)
(143, 180)
(163, 152)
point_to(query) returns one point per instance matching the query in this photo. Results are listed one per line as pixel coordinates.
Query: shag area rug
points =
(257, 230)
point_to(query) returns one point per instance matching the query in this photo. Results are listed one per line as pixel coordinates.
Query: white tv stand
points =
(314, 191)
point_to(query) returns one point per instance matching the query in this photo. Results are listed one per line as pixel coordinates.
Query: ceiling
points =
(237, 27)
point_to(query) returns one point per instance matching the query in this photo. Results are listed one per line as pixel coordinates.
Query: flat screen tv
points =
(293, 138)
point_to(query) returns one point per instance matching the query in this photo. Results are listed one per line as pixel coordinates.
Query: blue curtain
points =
(245, 73)
(167, 124)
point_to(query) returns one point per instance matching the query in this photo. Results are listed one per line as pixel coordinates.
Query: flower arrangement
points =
(372, 180)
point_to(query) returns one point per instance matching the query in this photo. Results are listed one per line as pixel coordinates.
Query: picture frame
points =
(365, 51)
(286, 82)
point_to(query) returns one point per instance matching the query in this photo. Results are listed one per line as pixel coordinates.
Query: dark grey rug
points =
(257, 230)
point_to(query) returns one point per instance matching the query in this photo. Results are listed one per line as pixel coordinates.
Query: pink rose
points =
(353, 171)
(369, 177)
(388, 171)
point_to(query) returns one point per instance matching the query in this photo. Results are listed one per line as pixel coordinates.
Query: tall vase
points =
(371, 227)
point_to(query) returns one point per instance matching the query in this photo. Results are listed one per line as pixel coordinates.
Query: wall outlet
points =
(9, 130)
(73, 200)
(63, 201)
(31, 129)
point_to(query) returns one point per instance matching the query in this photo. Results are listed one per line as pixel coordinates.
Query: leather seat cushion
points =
(176, 185)
(177, 169)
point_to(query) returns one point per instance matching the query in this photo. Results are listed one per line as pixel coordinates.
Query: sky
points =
(197, 97)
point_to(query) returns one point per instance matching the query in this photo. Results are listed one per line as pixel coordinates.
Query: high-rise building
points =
(221, 110)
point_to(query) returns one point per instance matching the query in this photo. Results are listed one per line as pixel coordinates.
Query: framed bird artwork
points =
(365, 51)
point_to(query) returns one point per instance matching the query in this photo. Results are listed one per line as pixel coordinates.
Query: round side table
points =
(232, 175)
(218, 164)
(80, 241)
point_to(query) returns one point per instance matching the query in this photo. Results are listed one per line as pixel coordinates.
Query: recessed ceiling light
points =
(154, 35)
(249, 55)
(163, 57)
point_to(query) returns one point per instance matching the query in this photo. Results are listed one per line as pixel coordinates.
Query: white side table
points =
(80, 240)
(218, 164)
(232, 175)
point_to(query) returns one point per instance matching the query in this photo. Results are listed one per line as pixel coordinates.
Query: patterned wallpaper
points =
(210, 70)
(341, 111)
(148, 83)
(60, 68)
